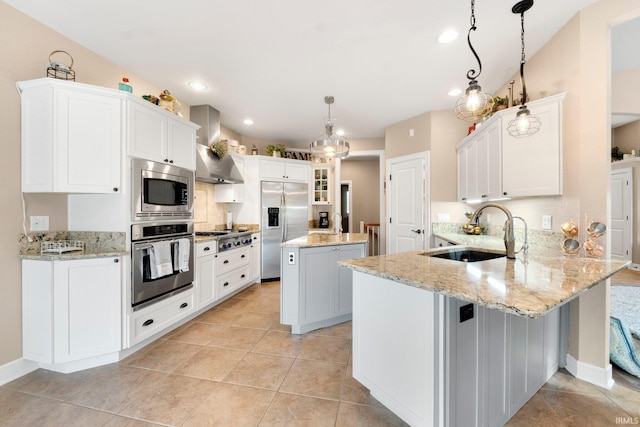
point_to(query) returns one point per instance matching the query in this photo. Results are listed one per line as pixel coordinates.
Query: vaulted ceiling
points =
(274, 61)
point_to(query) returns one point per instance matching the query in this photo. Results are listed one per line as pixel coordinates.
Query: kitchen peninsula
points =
(315, 290)
(444, 342)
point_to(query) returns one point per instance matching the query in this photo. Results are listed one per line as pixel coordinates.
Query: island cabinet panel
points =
(315, 291)
(436, 360)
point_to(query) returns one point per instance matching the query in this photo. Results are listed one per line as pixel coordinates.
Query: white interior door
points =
(407, 202)
(621, 213)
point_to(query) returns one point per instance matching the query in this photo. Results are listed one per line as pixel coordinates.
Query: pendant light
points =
(475, 104)
(328, 145)
(524, 124)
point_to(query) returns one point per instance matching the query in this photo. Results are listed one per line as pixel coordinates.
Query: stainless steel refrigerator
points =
(284, 217)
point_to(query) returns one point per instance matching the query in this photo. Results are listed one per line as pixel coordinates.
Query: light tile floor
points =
(236, 365)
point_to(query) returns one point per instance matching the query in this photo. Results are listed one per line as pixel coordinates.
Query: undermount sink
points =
(465, 255)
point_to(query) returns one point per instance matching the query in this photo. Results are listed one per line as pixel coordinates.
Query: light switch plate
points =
(39, 223)
(546, 222)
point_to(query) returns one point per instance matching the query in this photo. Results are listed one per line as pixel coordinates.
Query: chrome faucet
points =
(509, 238)
(337, 225)
(525, 245)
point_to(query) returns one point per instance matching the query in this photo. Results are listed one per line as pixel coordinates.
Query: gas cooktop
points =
(228, 240)
(214, 233)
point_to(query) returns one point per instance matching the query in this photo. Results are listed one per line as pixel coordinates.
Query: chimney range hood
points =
(209, 168)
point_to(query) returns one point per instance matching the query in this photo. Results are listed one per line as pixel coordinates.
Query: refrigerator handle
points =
(283, 209)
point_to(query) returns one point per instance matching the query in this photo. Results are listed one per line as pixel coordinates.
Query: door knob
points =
(417, 231)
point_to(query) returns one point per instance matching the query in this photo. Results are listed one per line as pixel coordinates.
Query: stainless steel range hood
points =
(209, 168)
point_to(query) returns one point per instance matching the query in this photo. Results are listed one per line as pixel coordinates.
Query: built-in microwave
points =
(161, 191)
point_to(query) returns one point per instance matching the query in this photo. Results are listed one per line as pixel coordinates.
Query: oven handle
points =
(148, 246)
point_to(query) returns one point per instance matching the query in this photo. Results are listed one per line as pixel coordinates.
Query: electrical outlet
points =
(411, 132)
(546, 222)
(292, 258)
(39, 223)
(443, 217)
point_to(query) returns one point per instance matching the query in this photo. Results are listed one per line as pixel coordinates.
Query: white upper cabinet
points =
(284, 170)
(492, 164)
(532, 166)
(71, 137)
(155, 134)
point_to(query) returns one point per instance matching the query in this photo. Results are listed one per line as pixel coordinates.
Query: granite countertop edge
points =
(72, 256)
(326, 239)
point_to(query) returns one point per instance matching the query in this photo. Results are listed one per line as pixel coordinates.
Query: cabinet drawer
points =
(227, 261)
(227, 283)
(206, 248)
(162, 315)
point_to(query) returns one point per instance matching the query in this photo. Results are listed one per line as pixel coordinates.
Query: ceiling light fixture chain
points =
(524, 124)
(475, 104)
(328, 145)
(471, 74)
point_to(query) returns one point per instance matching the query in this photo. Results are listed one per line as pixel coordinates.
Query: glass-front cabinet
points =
(322, 185)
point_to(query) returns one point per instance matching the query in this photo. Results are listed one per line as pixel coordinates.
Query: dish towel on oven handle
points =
(181, 255)
(160, 259)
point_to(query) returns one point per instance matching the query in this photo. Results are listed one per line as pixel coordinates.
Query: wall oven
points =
(161, 191)
(161, 261)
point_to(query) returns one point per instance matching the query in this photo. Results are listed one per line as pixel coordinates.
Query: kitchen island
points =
(444, 342)
(315, 292)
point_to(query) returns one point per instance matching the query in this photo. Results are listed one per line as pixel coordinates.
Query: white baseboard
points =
(12, 370)
(602, 377)
(634, 267)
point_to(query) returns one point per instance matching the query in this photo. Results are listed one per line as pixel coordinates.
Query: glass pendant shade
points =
(329, 145)
(525, 124)
(474, 105)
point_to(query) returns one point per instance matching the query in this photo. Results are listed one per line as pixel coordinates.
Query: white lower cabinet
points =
(161, 315)
(254, 258)
(315, 290)
(205, 272)
(71, 312)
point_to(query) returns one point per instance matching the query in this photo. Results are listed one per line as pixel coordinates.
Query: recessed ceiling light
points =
(197, 85)
(454, 92)
(248, 122)
(340, 132)
(448, 36)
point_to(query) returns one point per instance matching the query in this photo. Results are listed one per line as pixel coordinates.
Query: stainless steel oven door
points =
(144, 289)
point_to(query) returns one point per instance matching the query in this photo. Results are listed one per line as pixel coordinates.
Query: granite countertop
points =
(326, 239)
(530, 286)
(96, 245)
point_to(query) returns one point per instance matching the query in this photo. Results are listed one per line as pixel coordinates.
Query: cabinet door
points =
(87, 301)
(494, 160)
(316, 293)
(181, 144)
(272, 169)
(147, 137)
(205, 278)
(229, 193)
(463, 191)
(254, 258)
(532, 166)
(322, 186)
(297, 172)
(344, 291)
(88, 134)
